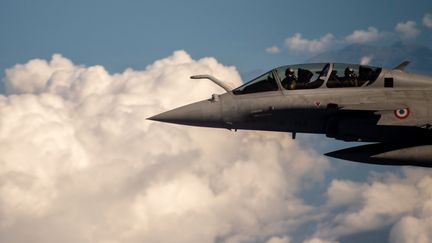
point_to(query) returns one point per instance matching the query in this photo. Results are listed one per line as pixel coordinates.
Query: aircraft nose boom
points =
(203, 113)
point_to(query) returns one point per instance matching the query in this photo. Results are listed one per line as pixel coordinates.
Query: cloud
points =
(298, 43)
(408, 29)
(80, 163)
(366, 60)
(411, 230)
(318, 240)
(401, 201)
(427, 20)
(364, 36)
(279, 240)
(343, 193)
(273, 50)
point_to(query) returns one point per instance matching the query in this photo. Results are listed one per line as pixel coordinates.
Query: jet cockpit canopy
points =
(311, 76)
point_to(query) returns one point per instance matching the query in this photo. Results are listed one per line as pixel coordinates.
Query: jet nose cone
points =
(203, 113)
(162, 117)
(179, 115)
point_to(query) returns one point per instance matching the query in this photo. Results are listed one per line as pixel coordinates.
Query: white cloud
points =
(318, 240)
(273, 50)
(412, 230)
(427, 20)
(366, 60)
(404, 201)
(81, 164)
(364, 36)
(34, 75)
(408, 29)
(343, 193)
(298, 43)
(279, 240)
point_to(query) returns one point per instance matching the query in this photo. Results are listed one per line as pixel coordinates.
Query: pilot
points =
(350, 79)
(289, 82)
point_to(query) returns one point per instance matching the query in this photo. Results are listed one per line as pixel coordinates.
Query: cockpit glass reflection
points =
(305, 76)
(263, 83)
(312, 76)
(349, 75)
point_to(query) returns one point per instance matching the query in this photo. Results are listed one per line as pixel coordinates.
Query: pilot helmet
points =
(349, 71)
(289, 72)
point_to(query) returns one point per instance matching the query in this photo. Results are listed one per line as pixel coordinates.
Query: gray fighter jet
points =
(389, 108)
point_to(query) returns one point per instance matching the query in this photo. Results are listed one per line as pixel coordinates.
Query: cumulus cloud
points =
(407, 29)
(364, 36)
(81, 164)
(273, 50)
(318, 240)
(427, 20)
(401, 201)
(366, 60)
(298, 43)
(279, 240)
(412, 230)
(343, 193)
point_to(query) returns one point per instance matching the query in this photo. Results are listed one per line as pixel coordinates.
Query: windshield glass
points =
(263, 83)
(303, 76)
(349, 75)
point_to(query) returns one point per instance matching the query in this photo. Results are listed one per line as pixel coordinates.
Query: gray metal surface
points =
(389, 107)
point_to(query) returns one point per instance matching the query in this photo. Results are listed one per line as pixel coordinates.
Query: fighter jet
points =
(389, 109)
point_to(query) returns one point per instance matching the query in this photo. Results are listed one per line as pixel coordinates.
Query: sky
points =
(80, 162)
(133, 34)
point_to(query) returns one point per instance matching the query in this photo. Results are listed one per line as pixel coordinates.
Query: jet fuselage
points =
(390, 107)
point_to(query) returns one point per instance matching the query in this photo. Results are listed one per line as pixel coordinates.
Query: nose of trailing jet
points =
(203, 113)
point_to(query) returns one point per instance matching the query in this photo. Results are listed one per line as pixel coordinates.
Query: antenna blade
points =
(402, 66)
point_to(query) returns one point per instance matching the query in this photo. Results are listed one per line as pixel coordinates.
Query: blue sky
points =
(121, 34)
(253, 36)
